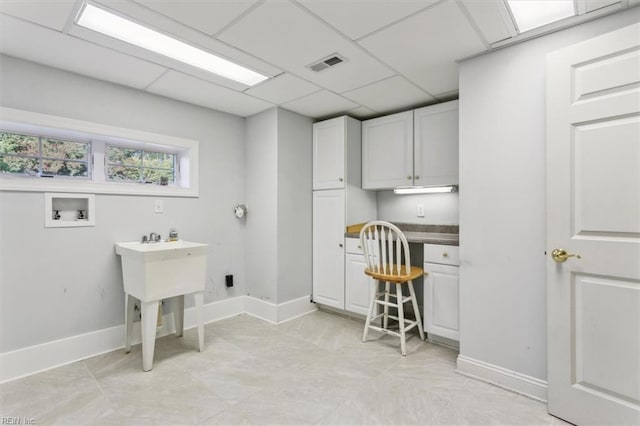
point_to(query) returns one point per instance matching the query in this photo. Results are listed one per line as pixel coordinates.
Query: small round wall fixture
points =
(240, 210)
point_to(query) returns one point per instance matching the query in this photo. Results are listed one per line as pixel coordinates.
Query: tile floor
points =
(310, 370)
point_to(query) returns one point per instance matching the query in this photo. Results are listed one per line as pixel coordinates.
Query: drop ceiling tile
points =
(362, 113)
(287, 34)
(38, 44)
(173, 28)
(53, 14)
(492, 18)
(425, 47)
(282, 88)
(358, 18)
(206, 16)
(192, 90)
(390, 94)
(320, 104)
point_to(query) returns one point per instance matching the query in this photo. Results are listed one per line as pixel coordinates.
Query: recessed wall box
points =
(69, 210)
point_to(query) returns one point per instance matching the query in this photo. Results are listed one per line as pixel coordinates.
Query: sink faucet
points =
(153, 238)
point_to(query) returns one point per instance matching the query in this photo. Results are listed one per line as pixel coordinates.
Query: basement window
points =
(46, 153)
(124, 164)
(43, 156)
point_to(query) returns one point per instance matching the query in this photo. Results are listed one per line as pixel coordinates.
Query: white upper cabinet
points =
(417, 147)
(436, 144)
(329, 154)
(387, 151)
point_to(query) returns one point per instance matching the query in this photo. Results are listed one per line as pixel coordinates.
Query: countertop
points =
(447, 235)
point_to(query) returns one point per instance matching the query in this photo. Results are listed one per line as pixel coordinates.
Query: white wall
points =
(439, 209)
(294, 205)
(261, 196)
(502, 199)
(60, 282)
(278, 196)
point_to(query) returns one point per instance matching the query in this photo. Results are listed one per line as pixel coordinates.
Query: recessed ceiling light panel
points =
(112, 25)
(530, 14)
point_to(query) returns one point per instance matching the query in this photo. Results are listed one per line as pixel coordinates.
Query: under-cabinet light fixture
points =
(406, 190)
(112, 25)
(532, 14)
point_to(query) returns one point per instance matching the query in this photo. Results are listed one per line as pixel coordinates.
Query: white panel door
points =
(357, 285)
(442, 300)
(328, 154)
(328, 247)
(435, 144)
(387, 151)
(593, 210)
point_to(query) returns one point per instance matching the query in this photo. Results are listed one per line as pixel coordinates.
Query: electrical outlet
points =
(420, 210)
(228, 280)
(158, 206)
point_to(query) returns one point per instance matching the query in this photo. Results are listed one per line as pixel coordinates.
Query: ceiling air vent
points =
(330, 61)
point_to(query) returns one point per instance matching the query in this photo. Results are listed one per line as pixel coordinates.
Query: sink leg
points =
(129, 312)
(178, 314)
(149, 321)
(199, 298)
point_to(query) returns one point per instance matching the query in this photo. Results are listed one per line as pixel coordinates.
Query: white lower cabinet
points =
(328, 247)
(357, 289)
(441, 291)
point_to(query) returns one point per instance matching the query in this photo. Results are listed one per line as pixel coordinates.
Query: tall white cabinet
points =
(338, 201)
(328, 247)
(418, 147)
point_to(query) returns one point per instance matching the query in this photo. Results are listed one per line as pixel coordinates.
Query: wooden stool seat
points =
(386, 253)
(392, 276)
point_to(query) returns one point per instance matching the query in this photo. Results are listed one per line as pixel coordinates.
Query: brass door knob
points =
(408, 177)
(445, 254)
(340, 179)
(561, 255)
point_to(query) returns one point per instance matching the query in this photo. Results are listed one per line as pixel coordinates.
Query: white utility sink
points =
(155, 271)
(152, 272)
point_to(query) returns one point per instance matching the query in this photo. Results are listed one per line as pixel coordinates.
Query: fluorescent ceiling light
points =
(425, 189)
(112, 25)
(530, 14)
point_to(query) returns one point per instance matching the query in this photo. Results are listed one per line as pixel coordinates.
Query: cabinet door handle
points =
(417, 177)
(409, 177)
(445, 254)
(340, 179)
(359, 246)
(340, 245)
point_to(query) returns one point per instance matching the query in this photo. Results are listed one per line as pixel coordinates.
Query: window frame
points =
(41, 157)
(141, 167)
(99, 135)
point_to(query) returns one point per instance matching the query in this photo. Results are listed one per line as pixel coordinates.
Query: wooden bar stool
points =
(388, 260)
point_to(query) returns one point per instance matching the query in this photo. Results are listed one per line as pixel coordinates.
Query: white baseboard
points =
(277, 314)
(502, 377)
(295, 308)
(34, 359)
(261, 309)
(37, 358)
